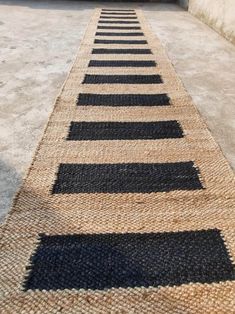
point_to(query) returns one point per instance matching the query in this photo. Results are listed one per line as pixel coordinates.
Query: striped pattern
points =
(119, 34)
(117, 13)
(119, 22)
(124, 130)
(129, 203)
(122, 79)
(119, 27)
(119, 17)
(121, 51)
(126, 178)
(169, 250)
(123, 42)
(123, 100)
(121, 63)
(117, 10)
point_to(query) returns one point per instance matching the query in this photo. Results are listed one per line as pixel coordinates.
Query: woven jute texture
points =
(128, 206)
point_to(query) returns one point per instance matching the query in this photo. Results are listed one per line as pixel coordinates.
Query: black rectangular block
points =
(117, 10)
(138, 51)
(120, 41)
(118, 13)
(121, 63)
(119, 17)
(129, 260)
(126, 178)
(123, 100)
(119, 34)
(118, 22)
(83, 131)
(119, 27)
(122, 79)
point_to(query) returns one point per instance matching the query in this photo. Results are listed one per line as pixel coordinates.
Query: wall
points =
(218, 14)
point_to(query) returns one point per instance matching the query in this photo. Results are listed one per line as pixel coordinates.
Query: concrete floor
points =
(38, 44)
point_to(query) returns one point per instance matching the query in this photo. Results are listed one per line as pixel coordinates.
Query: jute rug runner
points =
(128, 206)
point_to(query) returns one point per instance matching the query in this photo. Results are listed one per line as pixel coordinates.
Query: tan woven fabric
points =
(37, 210)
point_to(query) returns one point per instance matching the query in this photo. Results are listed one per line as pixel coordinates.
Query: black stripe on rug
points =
(119, 27)
(119, 34)
(126, 178)
(118, 13)
(123, 42)
(138, 51)
(114, 10)
(122, 63)
(122, 79)
(123, 100)
(119, 17)
(118, 22)
(83, 131)
(128, 260)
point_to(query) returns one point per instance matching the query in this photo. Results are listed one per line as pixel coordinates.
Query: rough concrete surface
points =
(38, 44)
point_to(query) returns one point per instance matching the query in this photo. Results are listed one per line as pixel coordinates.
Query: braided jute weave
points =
(128, 206)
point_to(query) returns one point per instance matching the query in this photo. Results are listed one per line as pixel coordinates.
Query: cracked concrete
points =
(38, 45)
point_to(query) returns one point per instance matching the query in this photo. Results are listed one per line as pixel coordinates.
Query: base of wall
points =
(218, 14)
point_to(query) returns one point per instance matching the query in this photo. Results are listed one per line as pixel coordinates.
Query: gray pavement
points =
(38, 43)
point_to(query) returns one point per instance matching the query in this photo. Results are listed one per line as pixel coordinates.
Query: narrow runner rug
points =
(128, 206)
